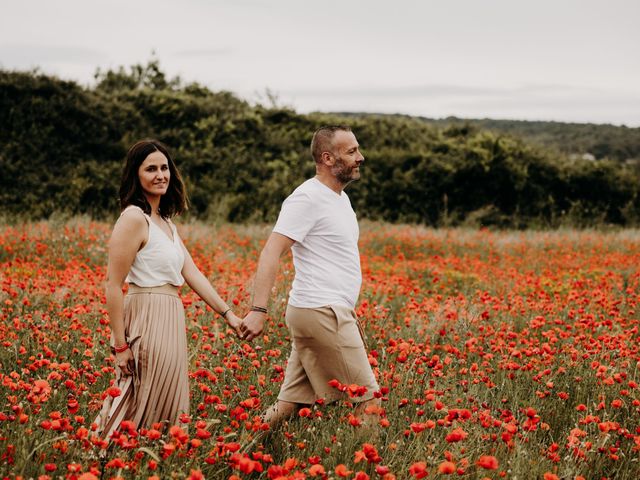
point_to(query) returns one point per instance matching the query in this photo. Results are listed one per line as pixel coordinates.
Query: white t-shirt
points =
(325, 253)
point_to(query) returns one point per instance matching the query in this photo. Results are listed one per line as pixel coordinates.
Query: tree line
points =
(618, 143)
(62, 147)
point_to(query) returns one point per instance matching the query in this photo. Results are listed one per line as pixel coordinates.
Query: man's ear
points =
(327, 159)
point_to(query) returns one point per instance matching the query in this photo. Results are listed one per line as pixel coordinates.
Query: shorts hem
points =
(334, 398)
(364, 398)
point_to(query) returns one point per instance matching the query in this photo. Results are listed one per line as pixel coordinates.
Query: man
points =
(319, 225)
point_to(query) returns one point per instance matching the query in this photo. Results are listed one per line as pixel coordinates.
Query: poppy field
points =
(499, 355)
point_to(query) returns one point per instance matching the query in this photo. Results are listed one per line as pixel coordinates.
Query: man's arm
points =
(276, 245)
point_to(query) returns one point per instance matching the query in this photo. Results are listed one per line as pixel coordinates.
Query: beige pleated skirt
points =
(158, 390)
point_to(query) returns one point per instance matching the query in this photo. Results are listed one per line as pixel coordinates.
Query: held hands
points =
(249, 327)
(234, 322)
(252, 325)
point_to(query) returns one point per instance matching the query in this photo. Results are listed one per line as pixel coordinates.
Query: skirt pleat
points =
(158, 391)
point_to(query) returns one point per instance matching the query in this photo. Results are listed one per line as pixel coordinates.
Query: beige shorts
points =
(327, 344)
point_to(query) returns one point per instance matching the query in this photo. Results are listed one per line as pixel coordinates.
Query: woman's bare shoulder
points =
(131, 219)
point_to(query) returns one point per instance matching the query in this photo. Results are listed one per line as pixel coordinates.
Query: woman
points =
(147, 325)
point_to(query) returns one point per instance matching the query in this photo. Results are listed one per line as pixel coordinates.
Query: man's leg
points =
(273, 416)
(279, 411)
(368, 411)
(296, 390)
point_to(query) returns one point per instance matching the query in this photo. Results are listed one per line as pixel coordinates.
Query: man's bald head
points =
(322, 140)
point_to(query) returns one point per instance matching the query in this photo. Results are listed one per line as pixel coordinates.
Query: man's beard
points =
(344, 173)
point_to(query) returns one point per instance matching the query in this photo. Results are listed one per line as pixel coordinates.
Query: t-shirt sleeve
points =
(297, 216)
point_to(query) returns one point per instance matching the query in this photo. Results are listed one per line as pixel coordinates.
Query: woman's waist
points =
(166, 289)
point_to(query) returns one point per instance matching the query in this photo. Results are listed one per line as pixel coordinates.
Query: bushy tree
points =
(62, 148)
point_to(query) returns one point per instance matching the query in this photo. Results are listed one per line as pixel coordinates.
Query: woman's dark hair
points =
(174, 202)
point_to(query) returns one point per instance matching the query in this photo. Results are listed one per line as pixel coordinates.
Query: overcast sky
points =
(565, 60)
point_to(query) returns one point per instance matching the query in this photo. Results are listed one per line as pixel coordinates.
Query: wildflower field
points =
(499, 355)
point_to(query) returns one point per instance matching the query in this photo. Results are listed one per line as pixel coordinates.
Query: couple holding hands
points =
(148, 335)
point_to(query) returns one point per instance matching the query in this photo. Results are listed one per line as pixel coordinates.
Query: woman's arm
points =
(201, 285)
(129, 234)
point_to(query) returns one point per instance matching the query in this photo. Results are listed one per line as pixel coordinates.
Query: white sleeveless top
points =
(160, 261)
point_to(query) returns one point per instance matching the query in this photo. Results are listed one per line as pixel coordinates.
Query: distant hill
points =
(578, 140)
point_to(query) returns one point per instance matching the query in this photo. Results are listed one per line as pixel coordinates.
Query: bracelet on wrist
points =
(121, 348)
(256, 308)
(224, 314)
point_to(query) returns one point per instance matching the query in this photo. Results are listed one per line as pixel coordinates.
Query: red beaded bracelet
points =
(121, 348)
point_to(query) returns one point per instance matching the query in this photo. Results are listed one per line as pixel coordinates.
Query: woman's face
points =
(154, 174)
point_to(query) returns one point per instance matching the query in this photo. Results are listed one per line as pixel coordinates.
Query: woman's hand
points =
(234, 322)
(125, 362)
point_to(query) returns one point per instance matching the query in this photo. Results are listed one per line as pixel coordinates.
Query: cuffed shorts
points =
(327, 344)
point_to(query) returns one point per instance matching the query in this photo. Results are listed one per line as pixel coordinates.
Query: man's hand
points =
(252, 325)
